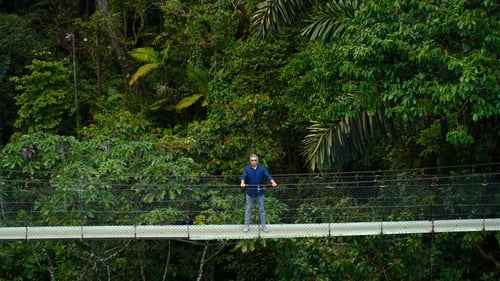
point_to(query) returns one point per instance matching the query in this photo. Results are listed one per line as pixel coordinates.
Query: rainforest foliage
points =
(113, 88)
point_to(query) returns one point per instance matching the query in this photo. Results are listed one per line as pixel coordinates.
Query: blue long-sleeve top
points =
(254, 178)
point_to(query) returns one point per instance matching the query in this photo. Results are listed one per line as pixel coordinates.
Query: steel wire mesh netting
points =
(55, 199)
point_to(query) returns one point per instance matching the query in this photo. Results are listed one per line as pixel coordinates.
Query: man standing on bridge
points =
(253, 180)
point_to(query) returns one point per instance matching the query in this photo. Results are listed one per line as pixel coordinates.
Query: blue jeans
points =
(262, 211)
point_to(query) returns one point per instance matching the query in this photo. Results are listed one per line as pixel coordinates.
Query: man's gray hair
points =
(253, 155)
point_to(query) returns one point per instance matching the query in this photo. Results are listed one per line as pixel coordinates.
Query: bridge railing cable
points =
(55, 199)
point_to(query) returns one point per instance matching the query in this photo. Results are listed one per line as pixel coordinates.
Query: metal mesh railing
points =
(54, 199)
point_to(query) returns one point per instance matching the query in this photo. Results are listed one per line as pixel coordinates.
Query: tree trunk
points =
(114, 36)
(167, 263)
(99, 67)
(202, 262)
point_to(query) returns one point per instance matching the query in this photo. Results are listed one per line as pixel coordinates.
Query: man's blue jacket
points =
(254, 178)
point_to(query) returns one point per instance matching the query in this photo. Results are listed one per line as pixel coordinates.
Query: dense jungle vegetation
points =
(159, 88)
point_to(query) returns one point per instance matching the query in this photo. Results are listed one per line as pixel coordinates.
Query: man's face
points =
(254, 161)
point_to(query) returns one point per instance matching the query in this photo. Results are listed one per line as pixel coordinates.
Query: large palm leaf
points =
(272, 15)
(326, 22)
(331, 144)
(200, 79)
(151, 58)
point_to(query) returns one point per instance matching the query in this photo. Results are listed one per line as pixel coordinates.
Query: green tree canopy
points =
(45, 99)
(432, 64)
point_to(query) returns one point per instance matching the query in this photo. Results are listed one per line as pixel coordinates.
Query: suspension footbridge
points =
(48, 206)
(219, 232)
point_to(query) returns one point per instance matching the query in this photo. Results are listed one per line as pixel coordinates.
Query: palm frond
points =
(327, 20)
(146, 55)
(164, 53)
(188, 101)
(142, 71)
(339, 142)
(151, 59)
(163, 103)
(200, 78)
(271, 15)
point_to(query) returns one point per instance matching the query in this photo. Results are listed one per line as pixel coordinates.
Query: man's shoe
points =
(246, 229)
(264, 229)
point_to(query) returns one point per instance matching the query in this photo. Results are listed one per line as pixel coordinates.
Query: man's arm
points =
(270, 178)
(243, 177)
